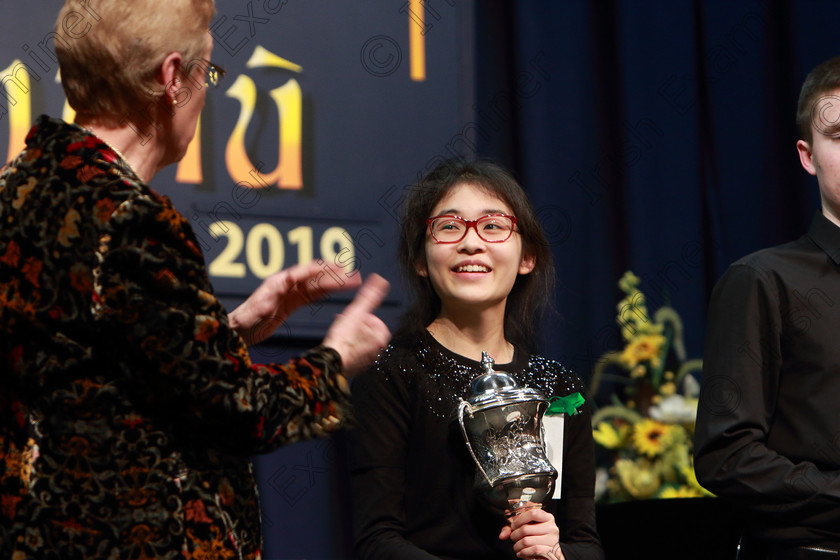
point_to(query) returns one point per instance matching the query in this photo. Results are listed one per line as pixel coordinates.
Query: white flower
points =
(602, 475)
(690, 387)
(675, 409)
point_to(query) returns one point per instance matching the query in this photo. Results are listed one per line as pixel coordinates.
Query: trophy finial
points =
(487, 362)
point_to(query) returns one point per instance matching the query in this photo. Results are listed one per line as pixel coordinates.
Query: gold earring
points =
(177, 83)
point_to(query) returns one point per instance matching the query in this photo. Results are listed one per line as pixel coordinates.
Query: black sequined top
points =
(412, 476)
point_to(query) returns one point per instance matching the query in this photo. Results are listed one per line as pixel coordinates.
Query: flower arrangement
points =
(645, 434)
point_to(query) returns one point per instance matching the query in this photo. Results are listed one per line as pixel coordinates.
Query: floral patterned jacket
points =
(128, 406)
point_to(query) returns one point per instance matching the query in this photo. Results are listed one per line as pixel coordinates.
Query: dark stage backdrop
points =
(658, 136)
(653, 136)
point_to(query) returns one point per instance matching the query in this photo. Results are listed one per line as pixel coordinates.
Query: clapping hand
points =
(356, 333)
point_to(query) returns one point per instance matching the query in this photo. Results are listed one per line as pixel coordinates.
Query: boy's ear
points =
(806, 156)
(527, 264)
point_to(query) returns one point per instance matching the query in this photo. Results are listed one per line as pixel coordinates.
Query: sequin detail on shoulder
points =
(442, 380)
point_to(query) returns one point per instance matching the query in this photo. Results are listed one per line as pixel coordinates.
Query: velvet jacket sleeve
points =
(152, 298)
(743, 405)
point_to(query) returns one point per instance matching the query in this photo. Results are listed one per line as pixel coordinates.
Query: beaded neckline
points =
(442, 377)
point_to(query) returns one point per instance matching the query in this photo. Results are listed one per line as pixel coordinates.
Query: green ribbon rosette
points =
(565, 405)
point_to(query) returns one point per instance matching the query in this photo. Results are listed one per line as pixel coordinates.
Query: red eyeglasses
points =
(492, 228)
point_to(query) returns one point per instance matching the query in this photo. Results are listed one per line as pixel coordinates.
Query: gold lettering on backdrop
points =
(302, 237)
(417, 40)
(289, 100)
(189, 168)
(68, 115)
(20, 106)
(264, 250)
(264, 57)
(288, 173)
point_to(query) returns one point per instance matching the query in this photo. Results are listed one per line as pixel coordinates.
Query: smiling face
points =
(473, 273)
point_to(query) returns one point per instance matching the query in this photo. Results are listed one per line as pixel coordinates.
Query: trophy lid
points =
(498, 388)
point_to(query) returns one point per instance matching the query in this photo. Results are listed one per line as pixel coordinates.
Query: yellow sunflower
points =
(649, 436)
(645, 347)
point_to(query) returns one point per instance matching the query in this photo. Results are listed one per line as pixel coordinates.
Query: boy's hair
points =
(822, 80)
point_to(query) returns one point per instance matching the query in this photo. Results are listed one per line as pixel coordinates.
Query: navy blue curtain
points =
(657, 137)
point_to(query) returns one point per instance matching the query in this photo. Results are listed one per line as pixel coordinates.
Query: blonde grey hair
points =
(109, 51)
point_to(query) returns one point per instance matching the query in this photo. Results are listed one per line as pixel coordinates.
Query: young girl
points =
(480, 269)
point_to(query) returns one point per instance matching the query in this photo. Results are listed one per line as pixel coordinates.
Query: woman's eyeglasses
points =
(492, 228)
(213, 74)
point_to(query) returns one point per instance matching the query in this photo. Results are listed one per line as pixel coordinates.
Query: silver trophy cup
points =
(502, 426)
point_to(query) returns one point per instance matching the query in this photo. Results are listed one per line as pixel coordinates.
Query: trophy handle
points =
(461, 408)
(540, 417)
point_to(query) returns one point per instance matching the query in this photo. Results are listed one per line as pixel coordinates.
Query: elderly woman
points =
(128, 403)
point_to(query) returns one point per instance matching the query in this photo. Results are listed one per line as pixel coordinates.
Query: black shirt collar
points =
(826, 234)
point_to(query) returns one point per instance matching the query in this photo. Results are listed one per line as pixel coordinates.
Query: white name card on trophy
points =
(553, 430)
